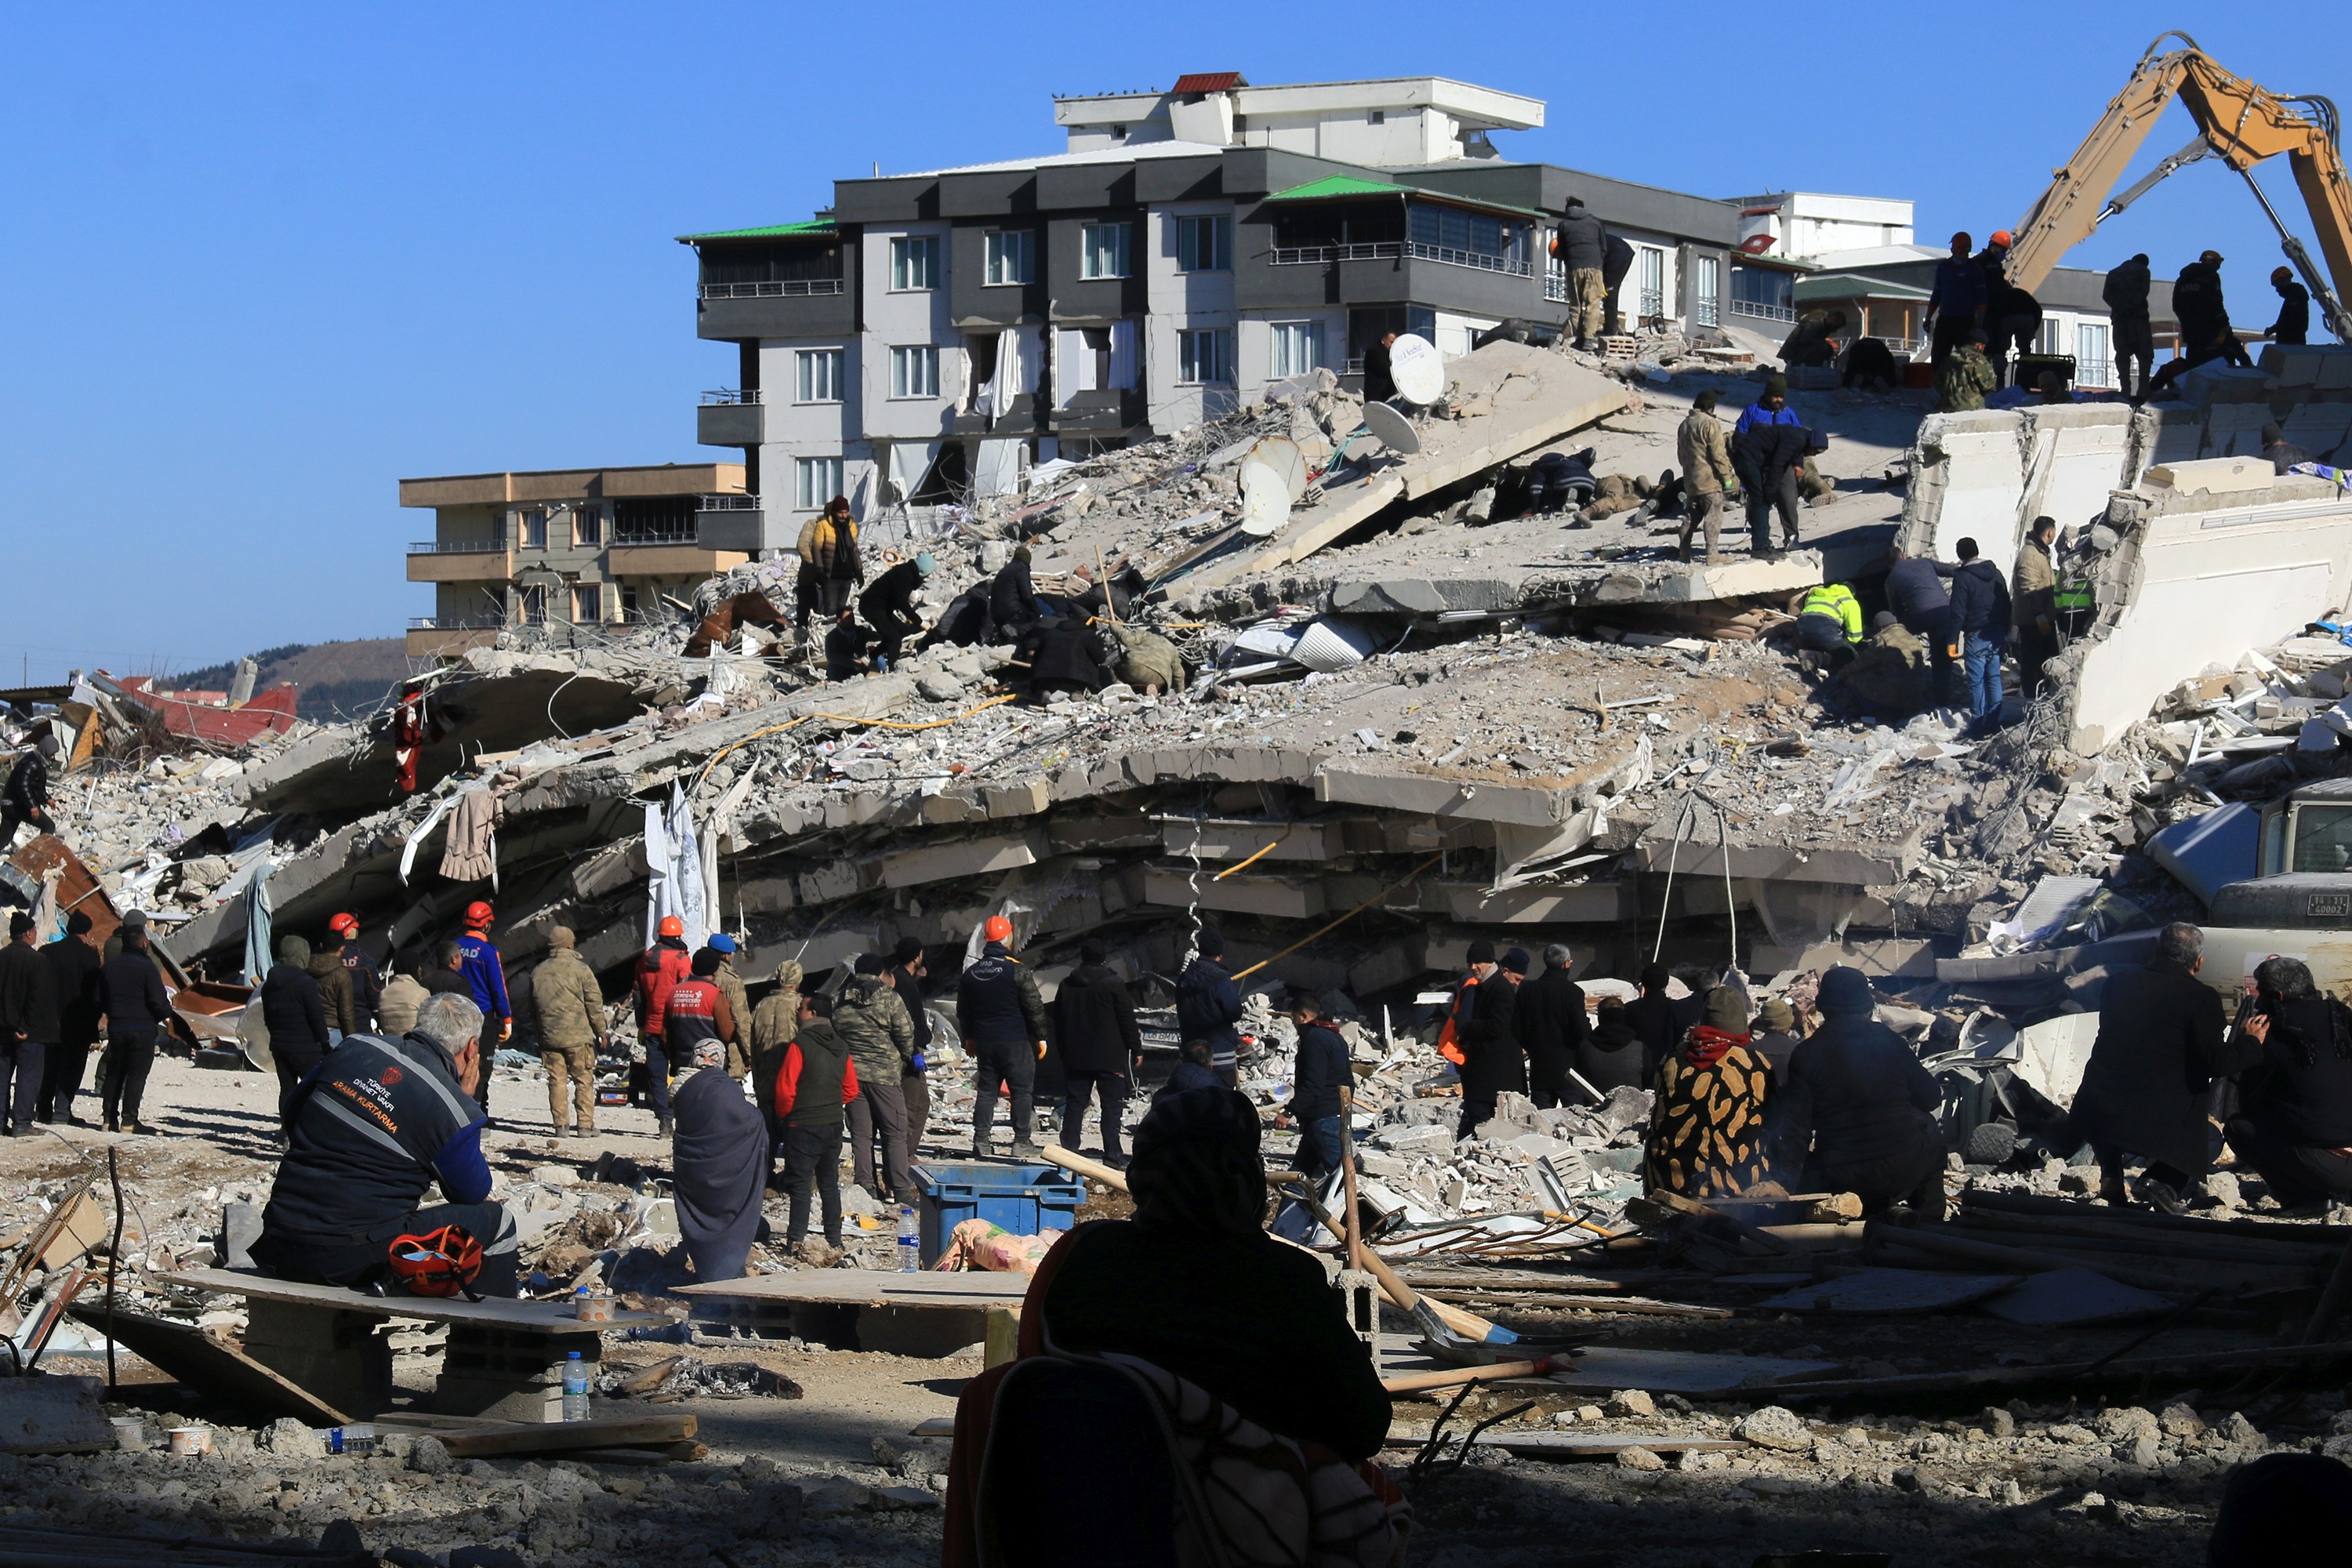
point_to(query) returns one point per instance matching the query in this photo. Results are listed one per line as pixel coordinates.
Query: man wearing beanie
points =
(1869, 1105)
(1496, 1064)
(296, 1017)
(1209, 1006)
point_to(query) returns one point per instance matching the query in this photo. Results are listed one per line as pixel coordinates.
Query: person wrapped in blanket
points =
(1239, 1337)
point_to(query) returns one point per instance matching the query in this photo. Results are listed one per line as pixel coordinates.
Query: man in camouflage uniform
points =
(571, 1007)
(1892, 674)
(871, 1020)
(1967, 377)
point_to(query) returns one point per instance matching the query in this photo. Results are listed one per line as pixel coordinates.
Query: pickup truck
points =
(2298, 904)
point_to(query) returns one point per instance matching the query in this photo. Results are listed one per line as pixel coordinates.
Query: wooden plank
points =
(873, 1287)
(491, 1312)
(211, 1363)
(1612, 1367)
(482, 1439)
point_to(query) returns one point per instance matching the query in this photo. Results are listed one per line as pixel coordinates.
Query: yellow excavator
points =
(2237, 122)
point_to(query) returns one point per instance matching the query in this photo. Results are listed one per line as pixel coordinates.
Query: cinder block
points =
(1021, 797)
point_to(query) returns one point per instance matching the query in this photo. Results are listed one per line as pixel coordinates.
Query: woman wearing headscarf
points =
(718, 1155)
(1706, 1120)
(2292, 1055)
(1193, 1286)
(1859, 1098)
(296, 1017)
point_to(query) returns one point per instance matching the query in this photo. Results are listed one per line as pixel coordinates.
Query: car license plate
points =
(2329, 906)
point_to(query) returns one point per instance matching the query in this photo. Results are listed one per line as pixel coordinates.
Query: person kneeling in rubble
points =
(1707, 1132)
(1858, 1095)
(1195, 1287)
(2291, 1053)
(374, 1124)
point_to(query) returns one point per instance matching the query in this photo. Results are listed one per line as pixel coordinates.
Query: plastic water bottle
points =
(575, 1388)
(911, 1244)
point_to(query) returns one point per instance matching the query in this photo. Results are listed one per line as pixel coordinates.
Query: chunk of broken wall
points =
(1985, 475)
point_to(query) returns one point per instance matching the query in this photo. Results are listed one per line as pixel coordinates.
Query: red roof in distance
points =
(1208, 82)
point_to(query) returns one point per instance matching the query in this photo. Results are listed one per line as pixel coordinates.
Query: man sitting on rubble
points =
(1857, 1094)
(1497, 1064)
(378, 1122)
(2292, 1056)
(1963, 380)
(1891, 676)
(1870, 364)
(1709, 1100)
(844, 648)
(2149, 1081)
(889, 606)
(1013, 601)
(718, 1158)
(2279, 452)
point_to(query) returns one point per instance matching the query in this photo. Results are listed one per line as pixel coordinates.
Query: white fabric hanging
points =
(991, 398)
(1073, 364)
(1025, 371)
(999, 469)
(1123, 357)
(673, 863)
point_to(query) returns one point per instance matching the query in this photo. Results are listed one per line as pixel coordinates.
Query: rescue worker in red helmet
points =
(486, 981)
(1002, 1017)
(367, 982)
(659, 970)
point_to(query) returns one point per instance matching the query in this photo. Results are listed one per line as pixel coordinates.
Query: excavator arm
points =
(2241, 123)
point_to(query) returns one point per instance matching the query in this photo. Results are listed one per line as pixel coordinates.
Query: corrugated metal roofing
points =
(1337, 185)
(1209, 81)
(815, 227)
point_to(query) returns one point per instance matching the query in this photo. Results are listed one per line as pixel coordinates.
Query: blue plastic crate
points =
(1024, 1200)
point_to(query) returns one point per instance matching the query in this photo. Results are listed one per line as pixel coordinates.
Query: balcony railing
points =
(666, 533)
(1306, 255)
(1475, 258)
(730, 397)
(1762, 311)
(1556, 288)
(459, 546)
(434, 624)
(733, 501)
(777, 288)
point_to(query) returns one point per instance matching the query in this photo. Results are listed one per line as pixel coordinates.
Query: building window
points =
(1706, 289)
(1377, 116)
(816, 376)
(1763, 291)
(628, 602)
(1297, 347)
(534, 528)
(2049, 338)
(587, 526)
(1204, 356)
(915, 262)
(915, 372)
(1205, 244)
(534, 606)
(588, 604)
(1103, 249)
(1653, 282)
(1012, 256)
(2091, 367)
(817, 481)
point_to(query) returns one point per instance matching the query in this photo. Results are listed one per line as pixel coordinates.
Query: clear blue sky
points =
(264, 260)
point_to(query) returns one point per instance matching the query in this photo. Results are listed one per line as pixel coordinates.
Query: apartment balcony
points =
(430, 638)
(730, 416)
(461, 560)
(1098, 413)
(1756, 309)
(781, 308)
(737, 522)
(677, 551)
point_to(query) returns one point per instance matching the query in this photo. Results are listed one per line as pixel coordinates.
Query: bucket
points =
(190, 1441)
(131, 1434)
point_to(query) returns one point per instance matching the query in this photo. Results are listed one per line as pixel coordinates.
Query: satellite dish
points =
(1266, 500)
(1282, 454)
(1394, 430)
(1418, 369)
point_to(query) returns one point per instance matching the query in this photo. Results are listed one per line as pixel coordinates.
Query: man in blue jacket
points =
(1980, 627)
(1768, 449)
(1209, 1006)
(1958, 296)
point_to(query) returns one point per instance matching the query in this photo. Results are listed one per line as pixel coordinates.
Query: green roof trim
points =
(1336, 186)
(814, 228)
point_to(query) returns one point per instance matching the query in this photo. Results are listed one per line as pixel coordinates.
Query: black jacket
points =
(1583, 242)
(134, 994)
(297, 1019)
(1980, 600)
(1380, 382)
(1013, 597)
(997, 1002)
(28, 997)
(74, 968)
(1208, 1006)
(29, 786)
(2147, 1083)
(1549, 1013)
(2297, 1085)
(893, 593)
(2294, 323)
(1860, 1088)
(1491, 1041)
(1762, 453)
(2284, 455)
(1915, 592)
(1321, 1072)
(2125, 291)
(1612, 1055)
(1093, 1023)
(1660, 1023)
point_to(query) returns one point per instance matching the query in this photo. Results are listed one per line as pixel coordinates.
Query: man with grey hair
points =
(2149, 1081)
(1552, 1025)
(374, 1124)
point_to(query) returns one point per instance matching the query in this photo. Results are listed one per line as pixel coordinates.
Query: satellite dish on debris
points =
(1282, 454)
(1266, 500)
(1418, 369)
(1393, 429)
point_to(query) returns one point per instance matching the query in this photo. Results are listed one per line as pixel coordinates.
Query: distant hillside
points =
(336, 679)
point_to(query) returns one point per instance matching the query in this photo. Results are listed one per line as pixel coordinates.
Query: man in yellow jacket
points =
(830, 567)
(1829, 622)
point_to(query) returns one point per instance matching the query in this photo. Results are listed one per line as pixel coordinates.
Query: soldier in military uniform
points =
(1892, 675)
(1967, 377)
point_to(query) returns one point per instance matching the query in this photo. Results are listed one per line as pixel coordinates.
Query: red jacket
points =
(660, 968)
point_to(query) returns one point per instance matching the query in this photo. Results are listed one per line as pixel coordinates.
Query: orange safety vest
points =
(1447, 1045)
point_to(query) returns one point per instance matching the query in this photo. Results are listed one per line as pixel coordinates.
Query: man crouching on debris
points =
(376, 1123)
(1869, 1105)
(2149, 1084)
